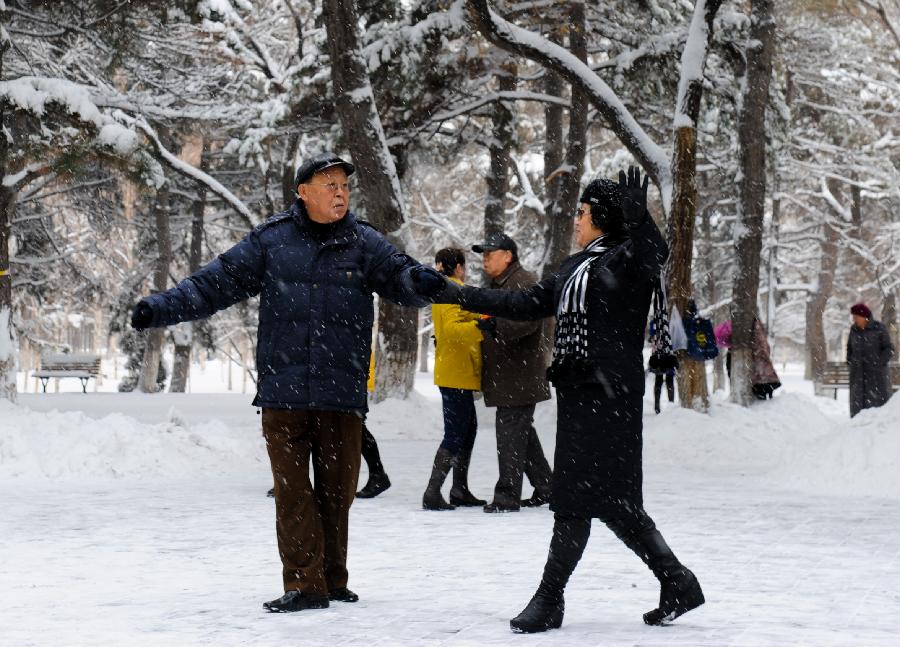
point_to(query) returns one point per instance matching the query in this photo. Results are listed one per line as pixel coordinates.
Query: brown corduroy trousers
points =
(312, 521)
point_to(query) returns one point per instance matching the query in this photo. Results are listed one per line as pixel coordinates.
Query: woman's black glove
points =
(142, 316)
(634, 196)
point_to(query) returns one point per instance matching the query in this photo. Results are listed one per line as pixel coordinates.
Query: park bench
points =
(84, 366)
(837, 376)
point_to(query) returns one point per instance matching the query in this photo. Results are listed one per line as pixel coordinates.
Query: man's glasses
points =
(332, 186)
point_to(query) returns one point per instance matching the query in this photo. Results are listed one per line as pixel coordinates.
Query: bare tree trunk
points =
(553, 161)
(692, 387)
(424, 341)
(500, 147)
(569, 175)
(817, 299)
(889, 318)
(156, 336)
(184, 337)
(7, 201)
(751, 203)
(395, 352)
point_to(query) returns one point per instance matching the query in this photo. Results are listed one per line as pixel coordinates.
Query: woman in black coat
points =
(600, 297)
(869, 351)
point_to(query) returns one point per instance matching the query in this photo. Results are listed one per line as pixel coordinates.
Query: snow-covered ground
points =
(141, 519)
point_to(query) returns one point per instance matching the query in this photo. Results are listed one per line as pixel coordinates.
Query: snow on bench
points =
(84, 366)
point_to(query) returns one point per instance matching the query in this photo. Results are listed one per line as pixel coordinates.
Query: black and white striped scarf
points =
(571, 343)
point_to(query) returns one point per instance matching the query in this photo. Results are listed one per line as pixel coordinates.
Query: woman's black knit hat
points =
(605, 200)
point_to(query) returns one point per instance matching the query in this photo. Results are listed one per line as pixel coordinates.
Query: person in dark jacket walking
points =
(600, 297)
(514, 379)
(869, 350)
(315, 267)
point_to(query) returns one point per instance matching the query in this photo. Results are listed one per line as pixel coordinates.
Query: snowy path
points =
(164, 562)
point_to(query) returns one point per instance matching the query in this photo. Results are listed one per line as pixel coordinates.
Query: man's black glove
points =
(634, 196)
(488, 324)
(427, 282)
(142, 316)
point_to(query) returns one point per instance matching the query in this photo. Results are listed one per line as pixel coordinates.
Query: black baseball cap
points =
(494, 242)
(319, 163)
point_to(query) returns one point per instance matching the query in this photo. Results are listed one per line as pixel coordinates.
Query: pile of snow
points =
(796, 441)
(70, 444)
(790, 441)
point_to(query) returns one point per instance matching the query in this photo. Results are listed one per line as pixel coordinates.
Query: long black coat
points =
(597, 465)
(516, 353)
(869, 350)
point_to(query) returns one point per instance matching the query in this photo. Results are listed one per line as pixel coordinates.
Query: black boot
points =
(459, 493)
(296, 601)
(342, 594)
(541, 614)
(376, 484)
(432, 499)
(378, 479)
(547, 607)
(679, 589)
(678, 594)
(536, 500)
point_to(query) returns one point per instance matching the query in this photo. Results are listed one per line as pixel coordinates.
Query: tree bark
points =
(184, 338)
(395, 352)
(7, 200)
(567, 178)
(692, 385)
(500, 146)
(752, 189)
(156, 336)
(816, 301)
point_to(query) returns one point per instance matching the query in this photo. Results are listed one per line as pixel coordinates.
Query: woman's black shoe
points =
(541, 614)
(676, 597)
(464, 498)
(376, 484)
(271, 493)
(296, 601)
(432, 501)
(343, 594)
(492, 508)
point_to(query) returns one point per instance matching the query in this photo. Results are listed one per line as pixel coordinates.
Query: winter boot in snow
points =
(376, 484)
(536, 500)
(459, 493)
(432, 499)
(541, 614)
(342, 594)
(296, 601)
(271, 493)
(547, 607)
(679, 589)
(378, 479)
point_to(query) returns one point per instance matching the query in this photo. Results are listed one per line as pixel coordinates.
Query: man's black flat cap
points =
(319, 163)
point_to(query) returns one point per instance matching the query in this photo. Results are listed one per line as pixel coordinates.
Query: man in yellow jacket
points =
(457, 372)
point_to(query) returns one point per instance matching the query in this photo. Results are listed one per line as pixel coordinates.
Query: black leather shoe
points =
(376, 484)
(541, 614)
(499, 507)
(435, 502)
(676, 597)
(271, 493)
(296, 601)
(536, 500)
(464, 498)
(343, 595)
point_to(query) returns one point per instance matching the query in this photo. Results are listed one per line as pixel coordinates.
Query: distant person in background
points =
(764, 378)
(457, 372)
(516, 355)
(662, 363)
(869, 350)
(378, 479)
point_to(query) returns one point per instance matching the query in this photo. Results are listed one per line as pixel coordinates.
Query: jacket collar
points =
(344, 231)
(501, 280)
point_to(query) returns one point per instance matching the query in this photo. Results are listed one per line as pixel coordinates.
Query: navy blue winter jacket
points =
(315, 310)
